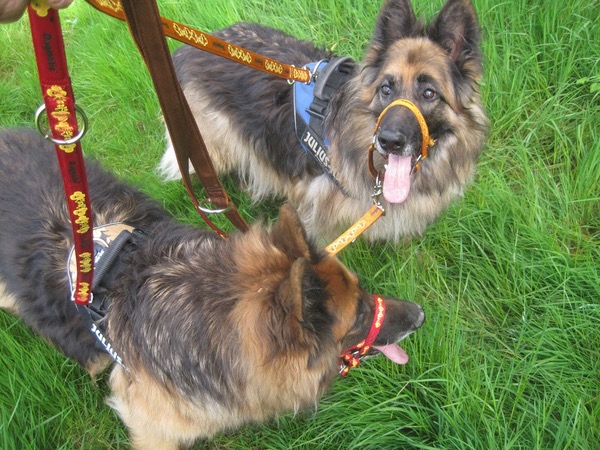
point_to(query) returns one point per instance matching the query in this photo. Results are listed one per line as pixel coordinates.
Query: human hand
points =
(12, 10)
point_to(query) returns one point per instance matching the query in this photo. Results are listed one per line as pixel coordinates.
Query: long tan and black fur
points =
(247, 121)
(214, 332)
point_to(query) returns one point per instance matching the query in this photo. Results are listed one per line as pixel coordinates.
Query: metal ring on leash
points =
(83, 126)
(206, 210)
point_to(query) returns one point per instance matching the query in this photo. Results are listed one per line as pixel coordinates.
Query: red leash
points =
(59, 105)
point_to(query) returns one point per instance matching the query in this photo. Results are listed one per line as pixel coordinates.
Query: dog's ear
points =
(396, 21)
(290, 292)
(288, 234)
(299, 317)
(456, 30)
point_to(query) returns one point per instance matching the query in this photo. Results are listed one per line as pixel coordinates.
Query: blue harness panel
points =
(311, 106)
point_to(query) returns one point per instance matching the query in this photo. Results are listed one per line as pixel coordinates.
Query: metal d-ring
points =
(206, 210)
(82, 127)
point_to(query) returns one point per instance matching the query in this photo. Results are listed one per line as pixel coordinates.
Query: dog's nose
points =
(420, 320)
(392, 141)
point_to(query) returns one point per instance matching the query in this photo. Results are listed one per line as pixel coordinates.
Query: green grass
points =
(509, 276)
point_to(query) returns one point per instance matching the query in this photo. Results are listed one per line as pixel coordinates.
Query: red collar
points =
(352, 356)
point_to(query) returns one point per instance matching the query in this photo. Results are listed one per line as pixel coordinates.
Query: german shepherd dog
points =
(212, 333)
(246, 118)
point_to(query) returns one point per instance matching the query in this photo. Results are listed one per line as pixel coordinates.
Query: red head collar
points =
(352, 356)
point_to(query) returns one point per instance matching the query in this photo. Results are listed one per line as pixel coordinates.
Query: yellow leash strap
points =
(355, 230)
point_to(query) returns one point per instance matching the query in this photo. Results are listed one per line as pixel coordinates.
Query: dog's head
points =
(436, 67)
(312, 307)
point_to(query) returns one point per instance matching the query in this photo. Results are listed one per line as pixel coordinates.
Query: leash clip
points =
(416, 166)
(376, 195)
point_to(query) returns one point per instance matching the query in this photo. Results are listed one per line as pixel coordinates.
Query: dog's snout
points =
(414, 316)
(399, 133)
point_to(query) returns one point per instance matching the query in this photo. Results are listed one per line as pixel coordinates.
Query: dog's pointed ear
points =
(303, 297)
(288, 234)
(290, 291)
(286, 320)
(396, 21)
(456, 30)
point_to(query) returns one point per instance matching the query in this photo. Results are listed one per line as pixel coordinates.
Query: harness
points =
(111, 243)
(311, 101)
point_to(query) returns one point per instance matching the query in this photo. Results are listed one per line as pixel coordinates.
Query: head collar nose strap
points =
(426, 141)
(352, 356)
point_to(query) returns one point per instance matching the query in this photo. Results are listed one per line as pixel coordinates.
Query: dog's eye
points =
(429, 94)
(386, 90)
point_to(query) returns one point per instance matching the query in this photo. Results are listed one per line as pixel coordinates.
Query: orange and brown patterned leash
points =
(211, 44)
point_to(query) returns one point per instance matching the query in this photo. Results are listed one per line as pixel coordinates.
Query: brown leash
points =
(211, 44)
(145, 25)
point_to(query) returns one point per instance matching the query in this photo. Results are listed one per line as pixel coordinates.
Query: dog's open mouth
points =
(397, 175)
(396, 182)
(393, 352)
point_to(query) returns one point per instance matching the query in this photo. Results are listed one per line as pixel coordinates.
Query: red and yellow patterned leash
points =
(65, 133)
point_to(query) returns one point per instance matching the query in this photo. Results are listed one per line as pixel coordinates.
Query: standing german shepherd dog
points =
(213, 332)
(247, 120)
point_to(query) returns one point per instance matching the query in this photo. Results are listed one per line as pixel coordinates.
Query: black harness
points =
(110, 248)
(310, 107)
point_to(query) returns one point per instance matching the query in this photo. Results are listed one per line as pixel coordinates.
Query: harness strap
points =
(60, 109)
(328, 81)
(113, 244)
(310, 107)
(146, 27)
(211, 44)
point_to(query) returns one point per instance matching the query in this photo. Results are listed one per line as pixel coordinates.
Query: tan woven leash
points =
(211, 44)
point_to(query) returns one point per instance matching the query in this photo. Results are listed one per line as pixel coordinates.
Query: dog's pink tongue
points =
(396, 183)
(393, 352)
